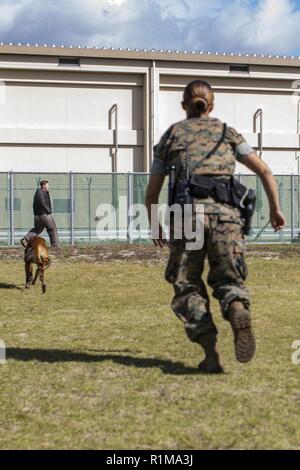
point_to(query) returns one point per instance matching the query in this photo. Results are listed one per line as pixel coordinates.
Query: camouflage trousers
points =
(224, 246)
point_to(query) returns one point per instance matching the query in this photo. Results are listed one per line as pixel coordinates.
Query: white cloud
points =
(260, 26)
(277, 20)
(188, 9)
(271, 26)
(8, 12)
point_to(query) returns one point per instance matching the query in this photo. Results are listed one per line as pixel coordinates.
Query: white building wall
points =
(51, 126)
(55, 118)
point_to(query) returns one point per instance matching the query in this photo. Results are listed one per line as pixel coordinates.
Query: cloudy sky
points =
(247, 26)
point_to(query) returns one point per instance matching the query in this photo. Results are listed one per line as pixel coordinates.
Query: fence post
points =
(129, 201)
(89, 180)
(292, 208)
(11, 209)
(71, 187)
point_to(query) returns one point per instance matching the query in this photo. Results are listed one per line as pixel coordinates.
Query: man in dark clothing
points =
(42, 210)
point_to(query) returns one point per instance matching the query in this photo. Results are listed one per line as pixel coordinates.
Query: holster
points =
(248, 210)
(237, 192)
(172, 185)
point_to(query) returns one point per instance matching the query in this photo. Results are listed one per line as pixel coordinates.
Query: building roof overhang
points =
(149, 54)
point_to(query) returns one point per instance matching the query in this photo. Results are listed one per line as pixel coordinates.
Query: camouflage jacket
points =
(190, 141)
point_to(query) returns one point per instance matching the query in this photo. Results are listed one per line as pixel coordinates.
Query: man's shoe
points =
(244, 341)
(211, 363)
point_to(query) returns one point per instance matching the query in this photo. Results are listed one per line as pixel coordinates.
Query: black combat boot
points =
(211, 363)
(244, 341)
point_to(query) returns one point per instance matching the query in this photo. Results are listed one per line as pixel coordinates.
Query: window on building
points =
(238, 68)
(69, 61)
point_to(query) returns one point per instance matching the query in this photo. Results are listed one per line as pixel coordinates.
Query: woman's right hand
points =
(277, 219)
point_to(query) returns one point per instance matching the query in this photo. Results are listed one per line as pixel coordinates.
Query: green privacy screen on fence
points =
(81, 203)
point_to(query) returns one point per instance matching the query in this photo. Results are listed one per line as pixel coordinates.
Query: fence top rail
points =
(71, 173)
(116, 174)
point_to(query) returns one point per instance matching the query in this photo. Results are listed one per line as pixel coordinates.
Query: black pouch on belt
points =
(202, 186)
(222, 191)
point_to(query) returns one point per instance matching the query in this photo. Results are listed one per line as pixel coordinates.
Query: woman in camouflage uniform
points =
(223, 226)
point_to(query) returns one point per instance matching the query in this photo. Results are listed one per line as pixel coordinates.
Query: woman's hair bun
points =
(200, 105)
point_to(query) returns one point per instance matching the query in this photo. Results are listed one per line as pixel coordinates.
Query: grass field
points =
(101, 362)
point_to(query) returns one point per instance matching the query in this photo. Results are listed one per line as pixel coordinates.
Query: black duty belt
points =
(226, 191)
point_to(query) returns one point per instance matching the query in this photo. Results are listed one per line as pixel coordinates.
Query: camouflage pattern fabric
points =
(198, 136)
(224, 246)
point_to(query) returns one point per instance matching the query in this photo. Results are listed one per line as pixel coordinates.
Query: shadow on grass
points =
(60, 355)
(4, 285)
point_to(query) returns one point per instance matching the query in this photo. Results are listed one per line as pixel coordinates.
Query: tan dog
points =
(36, 252)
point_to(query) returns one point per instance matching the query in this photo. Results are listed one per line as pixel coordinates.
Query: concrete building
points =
(101, 110)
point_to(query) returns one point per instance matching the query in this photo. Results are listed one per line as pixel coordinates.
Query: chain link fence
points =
(76, 199)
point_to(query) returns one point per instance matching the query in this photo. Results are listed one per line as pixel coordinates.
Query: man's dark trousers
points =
(42, 210)
(44, 221)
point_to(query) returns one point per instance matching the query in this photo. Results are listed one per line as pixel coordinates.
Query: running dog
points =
(36, 252)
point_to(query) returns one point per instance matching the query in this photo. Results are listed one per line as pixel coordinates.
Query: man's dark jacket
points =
(42, 203)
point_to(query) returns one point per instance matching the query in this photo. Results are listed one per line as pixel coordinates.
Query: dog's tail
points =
(46, 262)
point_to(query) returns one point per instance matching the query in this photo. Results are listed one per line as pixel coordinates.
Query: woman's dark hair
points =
(198, 96)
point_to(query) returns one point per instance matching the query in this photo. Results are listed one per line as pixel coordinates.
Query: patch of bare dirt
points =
(138, 252)
(96, 253)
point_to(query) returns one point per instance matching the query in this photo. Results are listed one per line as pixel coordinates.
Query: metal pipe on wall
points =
(114, 152)
(259, 114)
